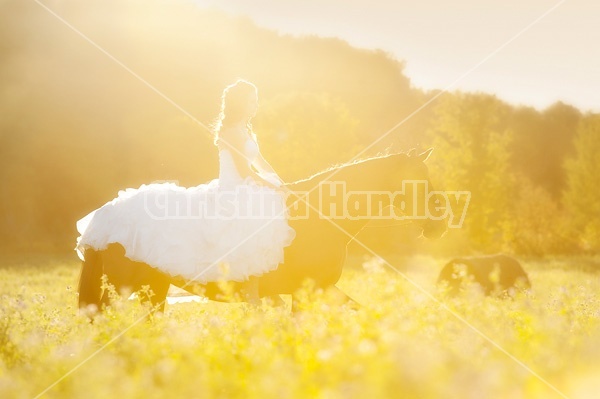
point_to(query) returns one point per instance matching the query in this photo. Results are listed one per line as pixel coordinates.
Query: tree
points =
(303, 133)
(542, 142)
(471, 140)
(538, 223)
(582, 197)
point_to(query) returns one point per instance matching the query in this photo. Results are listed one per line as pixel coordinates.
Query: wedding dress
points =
(230, 228)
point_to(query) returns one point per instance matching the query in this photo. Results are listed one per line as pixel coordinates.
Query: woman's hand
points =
(264, 182)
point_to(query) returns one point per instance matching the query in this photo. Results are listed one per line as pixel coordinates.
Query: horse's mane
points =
(345, 166)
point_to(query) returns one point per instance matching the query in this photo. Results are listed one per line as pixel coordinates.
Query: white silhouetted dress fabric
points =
(228, 229)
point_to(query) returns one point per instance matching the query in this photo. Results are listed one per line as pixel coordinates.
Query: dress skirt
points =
(204, 233)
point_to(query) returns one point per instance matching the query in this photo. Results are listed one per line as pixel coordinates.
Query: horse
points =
(337, 204)
(499, 275)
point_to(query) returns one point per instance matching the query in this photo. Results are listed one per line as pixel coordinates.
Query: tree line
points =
(77, 127)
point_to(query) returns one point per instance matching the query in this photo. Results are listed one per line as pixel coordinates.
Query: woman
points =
(233, 228)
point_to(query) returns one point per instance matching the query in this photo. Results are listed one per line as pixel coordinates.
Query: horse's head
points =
(416, 200)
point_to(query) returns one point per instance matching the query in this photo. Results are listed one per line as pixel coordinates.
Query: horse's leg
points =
(129, 276)
(295, 301)
(90, 285)
(339, 296)
(119, 272)
(346, 299)
(275, 301)
(159, 284)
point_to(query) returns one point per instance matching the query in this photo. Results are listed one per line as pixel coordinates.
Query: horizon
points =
(511, 48)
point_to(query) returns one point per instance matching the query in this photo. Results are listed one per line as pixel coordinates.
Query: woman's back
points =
(229, 176)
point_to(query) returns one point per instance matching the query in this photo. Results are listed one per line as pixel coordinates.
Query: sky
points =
(515, 49)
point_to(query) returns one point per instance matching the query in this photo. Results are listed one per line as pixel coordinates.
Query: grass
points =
(400, 343)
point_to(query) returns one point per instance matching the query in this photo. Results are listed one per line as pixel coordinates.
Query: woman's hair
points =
(233, 106)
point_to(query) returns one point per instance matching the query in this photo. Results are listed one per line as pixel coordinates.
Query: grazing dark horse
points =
(319, 249)
(495, 274)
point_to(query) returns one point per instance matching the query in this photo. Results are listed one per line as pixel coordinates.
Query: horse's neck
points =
(360, 177)
(330, 196)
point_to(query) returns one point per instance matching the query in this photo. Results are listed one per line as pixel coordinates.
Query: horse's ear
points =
(424, 156)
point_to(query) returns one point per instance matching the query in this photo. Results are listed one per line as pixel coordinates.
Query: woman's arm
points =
(262, 165)
(264, 168)
(234, 140)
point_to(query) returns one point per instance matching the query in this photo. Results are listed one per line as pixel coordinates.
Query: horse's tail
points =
(90, 280)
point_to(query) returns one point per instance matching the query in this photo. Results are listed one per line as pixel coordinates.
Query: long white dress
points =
(230, 228)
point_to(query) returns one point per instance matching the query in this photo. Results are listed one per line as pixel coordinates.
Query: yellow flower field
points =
(400, 344)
